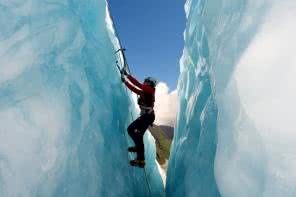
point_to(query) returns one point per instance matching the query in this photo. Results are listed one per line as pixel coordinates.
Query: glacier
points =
(235, 131)
(63, 109)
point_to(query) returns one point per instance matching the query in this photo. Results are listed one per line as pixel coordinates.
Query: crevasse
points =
(63, 109)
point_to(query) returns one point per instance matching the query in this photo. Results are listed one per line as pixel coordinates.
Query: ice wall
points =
(191, 165)
(63, 109)
(234, 135)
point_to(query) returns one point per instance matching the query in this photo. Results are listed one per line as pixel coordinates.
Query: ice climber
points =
(137, 129)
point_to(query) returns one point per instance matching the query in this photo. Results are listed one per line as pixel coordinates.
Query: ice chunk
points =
(234, 135)
(63, 109)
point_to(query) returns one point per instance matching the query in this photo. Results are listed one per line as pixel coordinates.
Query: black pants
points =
(137, 130)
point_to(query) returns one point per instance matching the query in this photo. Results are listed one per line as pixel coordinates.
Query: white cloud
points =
(166, 105)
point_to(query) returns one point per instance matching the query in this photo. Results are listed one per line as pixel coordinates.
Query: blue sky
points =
(152, 33)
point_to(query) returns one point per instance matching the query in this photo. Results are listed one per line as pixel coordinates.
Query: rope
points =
(125, 65)
(147, 181)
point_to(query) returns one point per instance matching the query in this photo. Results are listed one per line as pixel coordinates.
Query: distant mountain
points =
(168, 131)
(163, 136)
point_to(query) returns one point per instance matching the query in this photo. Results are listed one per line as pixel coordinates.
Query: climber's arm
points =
(134, 81)
(133, 88)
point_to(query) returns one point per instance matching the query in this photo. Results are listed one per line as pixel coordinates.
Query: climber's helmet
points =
(150, 81)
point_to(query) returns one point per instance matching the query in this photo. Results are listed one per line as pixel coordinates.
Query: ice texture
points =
(235, 132)
(63, 109)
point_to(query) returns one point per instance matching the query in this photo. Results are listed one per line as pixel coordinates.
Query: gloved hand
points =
(122, 78)
(123, 72)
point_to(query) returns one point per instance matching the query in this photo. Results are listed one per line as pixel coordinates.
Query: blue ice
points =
(235, 131)
(63, 109)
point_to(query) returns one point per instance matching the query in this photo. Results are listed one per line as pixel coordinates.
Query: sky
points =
(152, 33)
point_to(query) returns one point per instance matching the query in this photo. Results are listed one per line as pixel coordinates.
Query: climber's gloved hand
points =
(123, 72)
(122, 78)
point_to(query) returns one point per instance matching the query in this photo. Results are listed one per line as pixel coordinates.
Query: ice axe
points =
(125, 65)
(121, 49)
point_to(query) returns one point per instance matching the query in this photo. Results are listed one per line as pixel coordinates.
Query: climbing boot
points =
(138, 163)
